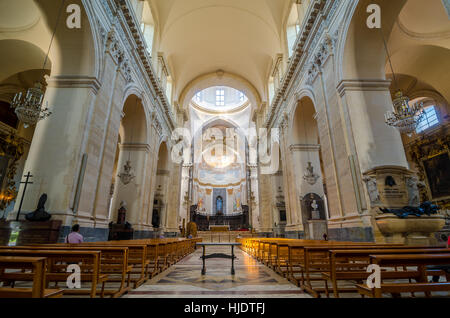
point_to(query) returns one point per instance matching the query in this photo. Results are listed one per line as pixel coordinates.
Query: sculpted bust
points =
(39, 215)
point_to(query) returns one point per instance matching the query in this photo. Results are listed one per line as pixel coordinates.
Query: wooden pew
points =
(37, 266)
(346, 265)
(407, 261)
(114, 263)
(311, 259)
(137, 258)
(57, 262)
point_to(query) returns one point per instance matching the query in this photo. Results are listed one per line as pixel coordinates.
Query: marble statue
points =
(315, 213)
(413, 191)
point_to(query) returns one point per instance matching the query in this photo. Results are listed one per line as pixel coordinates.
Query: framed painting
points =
(437, 170)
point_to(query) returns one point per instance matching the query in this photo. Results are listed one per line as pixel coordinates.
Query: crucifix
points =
(26, 182)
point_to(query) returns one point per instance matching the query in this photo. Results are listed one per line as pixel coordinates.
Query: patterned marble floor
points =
(252, 280)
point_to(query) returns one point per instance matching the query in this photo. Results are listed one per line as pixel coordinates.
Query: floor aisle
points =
(252, 280)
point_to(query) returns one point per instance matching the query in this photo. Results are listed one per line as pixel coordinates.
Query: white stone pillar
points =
(255, 209)
(57, 148)
(376, 143)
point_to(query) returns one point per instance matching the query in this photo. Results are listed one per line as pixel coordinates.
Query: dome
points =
(220, 99)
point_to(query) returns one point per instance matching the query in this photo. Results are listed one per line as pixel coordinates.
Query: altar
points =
(219, 228)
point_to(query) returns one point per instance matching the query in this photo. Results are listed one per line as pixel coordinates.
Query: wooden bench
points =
(346, 265)
(312, 259)
(419, 261)
(115, 263)
(137, 259)
(57, 262)
(37, 266)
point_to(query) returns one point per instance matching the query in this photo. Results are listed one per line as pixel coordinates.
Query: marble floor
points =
(251, 280)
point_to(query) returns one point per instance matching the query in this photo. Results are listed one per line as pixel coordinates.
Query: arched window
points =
(295, 21)
(271, 89)
(199, 97)
(148, 26)
(220, 97)
(429, 119)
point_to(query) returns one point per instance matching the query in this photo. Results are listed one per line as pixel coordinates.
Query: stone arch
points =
(74, 51)
(220, 78)
(304, 93)
(361, 52)
(133, 90)
(428, 63)
(18, 56)
(304, 129)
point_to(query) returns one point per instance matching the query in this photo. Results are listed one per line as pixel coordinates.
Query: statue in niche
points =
(122, 213)
(219, 205)
(412, 185)
(39, 215)
(372, 189)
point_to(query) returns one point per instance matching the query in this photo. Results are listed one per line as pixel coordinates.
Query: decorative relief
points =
(310, 177)
(372, 189)
(11, 149)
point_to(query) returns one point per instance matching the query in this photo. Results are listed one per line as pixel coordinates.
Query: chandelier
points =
(404, 117)
(28, 107)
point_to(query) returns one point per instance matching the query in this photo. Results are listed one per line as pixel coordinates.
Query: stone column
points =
(376, 143)
(382, 162)
(294, 224)
(185, 192)
(173, 198)
(57, 148)
(254, 200)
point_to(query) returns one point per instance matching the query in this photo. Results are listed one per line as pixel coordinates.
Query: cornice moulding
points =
(363, 85)
(68, 81)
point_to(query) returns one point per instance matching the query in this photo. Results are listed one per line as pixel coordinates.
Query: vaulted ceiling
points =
(237, 36)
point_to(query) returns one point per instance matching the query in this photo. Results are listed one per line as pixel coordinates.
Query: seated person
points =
(74, 237)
